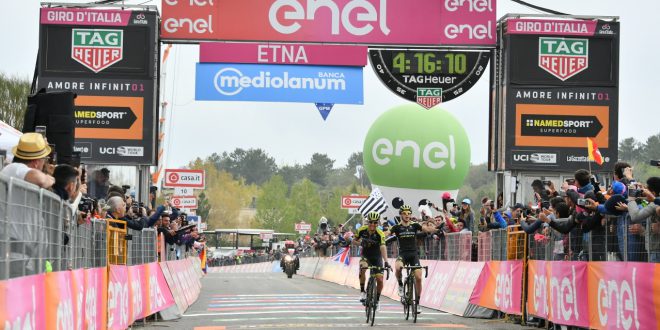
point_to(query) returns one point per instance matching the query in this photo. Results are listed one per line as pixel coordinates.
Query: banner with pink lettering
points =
(119, 301)
(78, 294)
(500, 287)
(179, 299)
(568, 301)
(437, 283)
(624, 295)
(537, 288)
(460, 289)
(139, 292)
(23, 302)
(96, 298)
(159, 295)
(59, 301)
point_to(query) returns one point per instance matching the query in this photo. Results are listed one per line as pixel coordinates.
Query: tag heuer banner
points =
(558, 86)
(107, 58)
(97, 49)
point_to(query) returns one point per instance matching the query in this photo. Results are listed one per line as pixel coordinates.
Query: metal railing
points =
(38, 233)
(31, 229)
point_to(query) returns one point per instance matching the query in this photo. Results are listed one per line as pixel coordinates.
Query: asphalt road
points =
(271, 301)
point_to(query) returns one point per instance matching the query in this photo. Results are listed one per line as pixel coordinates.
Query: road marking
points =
(307, 312)
(210, 328)
(285, 295)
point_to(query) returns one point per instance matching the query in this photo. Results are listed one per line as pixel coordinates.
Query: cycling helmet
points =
(404, 208)
(373, 216)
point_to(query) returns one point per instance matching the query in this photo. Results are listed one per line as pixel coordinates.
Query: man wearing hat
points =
(30, 156)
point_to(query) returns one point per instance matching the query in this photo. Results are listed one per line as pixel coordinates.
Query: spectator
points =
(117, 211)
(67, 186)
(100, 184)
(648, 215)
(30, 157)
(467, 215)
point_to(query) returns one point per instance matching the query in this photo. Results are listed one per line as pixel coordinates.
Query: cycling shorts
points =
(409, 258)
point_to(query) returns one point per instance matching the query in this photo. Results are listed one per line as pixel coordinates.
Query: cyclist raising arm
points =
(406, 233)
(374, 252)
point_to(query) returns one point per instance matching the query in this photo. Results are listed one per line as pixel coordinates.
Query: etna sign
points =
(97, 49)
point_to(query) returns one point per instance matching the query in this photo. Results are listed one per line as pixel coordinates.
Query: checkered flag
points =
(375, 202)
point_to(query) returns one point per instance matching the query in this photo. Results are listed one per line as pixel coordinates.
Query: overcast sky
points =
(292, 132)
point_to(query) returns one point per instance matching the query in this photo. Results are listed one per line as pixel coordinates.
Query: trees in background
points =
(13, 100)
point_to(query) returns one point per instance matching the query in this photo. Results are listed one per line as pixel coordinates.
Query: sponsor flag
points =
(375, 202)
(343, 256)
(594, 153)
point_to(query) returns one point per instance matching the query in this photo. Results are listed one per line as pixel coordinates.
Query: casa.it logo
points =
(563, 57)
(173, 177)
(231, 81)
(288, 16)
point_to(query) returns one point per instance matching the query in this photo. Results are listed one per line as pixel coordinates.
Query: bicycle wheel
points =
(367, 302)
(404, 299)
(414, 297)
(374, 301)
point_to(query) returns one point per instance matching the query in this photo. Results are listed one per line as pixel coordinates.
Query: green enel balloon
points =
(410, 147)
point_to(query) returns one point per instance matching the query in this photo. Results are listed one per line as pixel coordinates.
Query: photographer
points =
(646, 215)
(118, 211)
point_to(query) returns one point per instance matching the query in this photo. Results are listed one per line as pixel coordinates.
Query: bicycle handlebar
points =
(386, 269)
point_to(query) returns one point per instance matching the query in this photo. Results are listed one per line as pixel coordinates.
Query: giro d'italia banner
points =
(107, 58)
(562, 88)
(279, 83)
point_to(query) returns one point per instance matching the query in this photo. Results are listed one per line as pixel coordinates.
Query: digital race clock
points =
(428, 77)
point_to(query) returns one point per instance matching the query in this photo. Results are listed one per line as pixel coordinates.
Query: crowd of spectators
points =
(33, 163)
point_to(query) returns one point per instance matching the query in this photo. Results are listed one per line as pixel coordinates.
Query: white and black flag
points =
(375, 202)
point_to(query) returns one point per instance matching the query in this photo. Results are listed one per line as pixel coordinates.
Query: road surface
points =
(271, 301)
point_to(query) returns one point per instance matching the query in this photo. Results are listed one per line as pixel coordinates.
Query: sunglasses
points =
(373, 222)
(406, 213)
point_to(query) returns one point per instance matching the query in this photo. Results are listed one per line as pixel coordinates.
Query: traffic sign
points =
(181, 191)
(302, 226)
(266, 236)
(184, 202)
(184, 178)
(352, 202)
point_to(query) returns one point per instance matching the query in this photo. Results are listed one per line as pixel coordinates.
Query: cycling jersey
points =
(372, 250)
(406, 235)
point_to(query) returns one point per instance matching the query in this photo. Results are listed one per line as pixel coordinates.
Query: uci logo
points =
(521, 157)
(107, 151)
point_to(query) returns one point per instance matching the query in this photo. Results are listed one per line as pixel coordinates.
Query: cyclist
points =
(406, 233)
(374, 253)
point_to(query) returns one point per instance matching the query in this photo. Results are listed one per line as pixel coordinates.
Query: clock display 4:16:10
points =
(430, 63)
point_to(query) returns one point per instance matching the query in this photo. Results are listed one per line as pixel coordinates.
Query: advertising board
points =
(428, 77)
(184, 178)
(412, 22)
(559, 88)
(279, 83)
(93, 53)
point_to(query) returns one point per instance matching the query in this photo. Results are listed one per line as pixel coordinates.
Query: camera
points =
(86, 205)
(582, 202)
(135, 207)
(634, 192)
